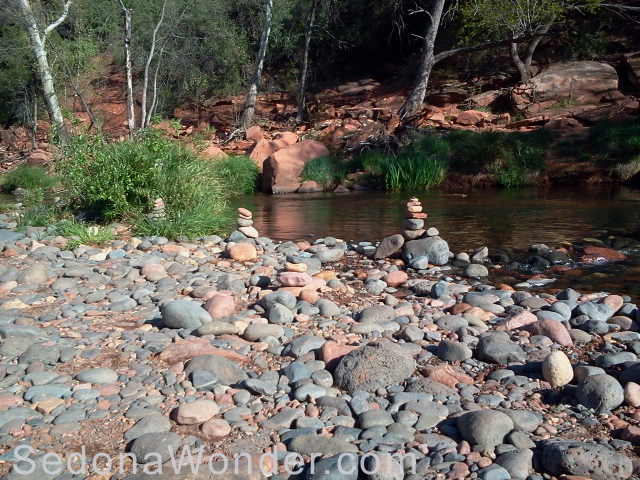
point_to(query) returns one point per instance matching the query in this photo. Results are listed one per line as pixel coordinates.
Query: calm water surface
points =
(496, 218)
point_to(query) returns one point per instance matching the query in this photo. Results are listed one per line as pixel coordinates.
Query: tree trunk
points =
(131, 113)
(305, 62)
(250, 106)
(144, 121)
(44, 71)
(524, 66)
(414, 102)
(523, 71)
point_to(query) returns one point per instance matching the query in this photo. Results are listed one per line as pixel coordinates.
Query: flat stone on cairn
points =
(414, 222)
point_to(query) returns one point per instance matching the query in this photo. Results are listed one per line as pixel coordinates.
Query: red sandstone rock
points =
(254, 134)
(213, 151)
(332, 352)
(471, 117)
(553, 329)
(242, 251)
(220, 305)
(294, 279)
(446, 375)
(396, 278)
(601, 254)
(186, 349)
(288, 137)
(259, 152)
(282, 169)
(518, 320)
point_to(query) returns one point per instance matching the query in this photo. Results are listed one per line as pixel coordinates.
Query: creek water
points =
(501, 219)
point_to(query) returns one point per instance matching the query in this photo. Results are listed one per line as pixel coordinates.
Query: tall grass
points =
(239, 174)
(120, 181)
(327, 171)
(29, 178)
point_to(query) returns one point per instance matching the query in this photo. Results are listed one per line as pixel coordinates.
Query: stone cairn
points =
(157, 212)
(245, 223)
(414, 222)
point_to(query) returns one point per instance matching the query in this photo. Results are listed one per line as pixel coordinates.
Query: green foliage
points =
(239, 174)
(40, 216)
(84, 234)
(120, 181)
(619, 140)
(29, 178)
(327, 171)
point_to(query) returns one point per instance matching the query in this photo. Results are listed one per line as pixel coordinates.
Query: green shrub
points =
(84, 234)
(40, 216)
(29, 178)
(120, 181)
(616, 140)
(239, 174)
(327, 171)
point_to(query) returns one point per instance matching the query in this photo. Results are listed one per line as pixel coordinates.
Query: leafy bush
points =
(239, 174)
(84, 234)
(120, 181)
(29, 178)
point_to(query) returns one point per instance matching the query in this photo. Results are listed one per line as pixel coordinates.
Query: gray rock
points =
(153, 423)
(283, 419)
(335, 468)
(36, 274)
(484, 427)
(374, 418)
(302, 345)
(376, 365)
(327, 307)
(98, 375)
(377, 314)
(389, 246)
(281, 296)
(595, 311)
(434, 248)
(280, 315)
(451, 351)
(518, 463)
(494, 472)
(497, 347)
(600, 392)
(329, 256)
(227, 372)
(475, 270)
(431, 387)
(585, 459)
(154, 445)
(256, 331)
(310, 444)
(184, 314)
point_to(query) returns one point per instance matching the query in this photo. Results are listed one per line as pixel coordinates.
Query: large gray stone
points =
(497, 347)
(389, 246)
(585, 459)
(227, 372)
(600, 392)
(376, 365)
(184, 314)
(484, 427)
(435, 248)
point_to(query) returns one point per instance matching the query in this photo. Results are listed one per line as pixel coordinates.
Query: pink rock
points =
(196, 412)
(625, 323)
(106, 390)
(614, 301)
(216, 428)
(278, 145)
(173, 248)
(553, 329)
(288, 137)
(213, 152)
(254, 133)
(310, 186)
(185, 349)
(153, 272)
(332, 353)
(242, 251)
(471, 117)
(220, 305)
(294, 279)
(282, 169)
(518, 320)
(396, 278)
(244, 212)
(8, 401)
(259, 152)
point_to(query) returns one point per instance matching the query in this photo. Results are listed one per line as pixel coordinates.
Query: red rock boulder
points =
(259, 152)
(282, 169)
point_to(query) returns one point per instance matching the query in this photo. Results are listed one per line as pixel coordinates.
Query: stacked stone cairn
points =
(245, 223)
(414, 222)
(157, 212)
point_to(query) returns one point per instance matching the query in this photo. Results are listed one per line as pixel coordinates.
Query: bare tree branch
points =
(57, 23)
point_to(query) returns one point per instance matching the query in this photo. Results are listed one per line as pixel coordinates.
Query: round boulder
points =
(600, 392)
(484, 427)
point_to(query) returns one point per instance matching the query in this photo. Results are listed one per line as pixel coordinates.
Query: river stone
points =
(557, 369)
(431, 387)
(600, 392)
(389, 246)
(153, 423)
(497, 347)
(632, 394)
(336, 467)
(155, 443)
(184, 314)
(377, 314)
(196, 412)
(585, 459)
(311, 444)
(329, 256)
(36, 273)
(227, 372)
(451, 351)
(595, 311)
(376, 365)
(383, 467)
(518, 463)
(97, 375)
(484, 427)
(475, 270)
(282, 297)
(280, 315)
(435, 248)
(255, 331)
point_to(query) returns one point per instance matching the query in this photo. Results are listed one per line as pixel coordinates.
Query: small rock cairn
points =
(414, 221)
(157, 212)
(245, 223)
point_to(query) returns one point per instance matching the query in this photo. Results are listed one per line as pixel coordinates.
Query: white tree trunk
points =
(414, 102)
(131, 113)
(250, 106)
(305, 62)
(146, 119)
(38, 42)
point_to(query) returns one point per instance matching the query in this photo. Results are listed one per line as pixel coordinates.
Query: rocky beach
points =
(320, 349)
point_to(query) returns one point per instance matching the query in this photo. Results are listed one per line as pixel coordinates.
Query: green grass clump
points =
(120, 181)
(617, 140)
(84, 234)
(327, 171)
(239, 174)
(29, 178)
